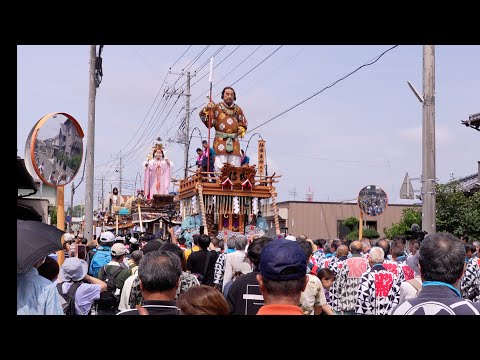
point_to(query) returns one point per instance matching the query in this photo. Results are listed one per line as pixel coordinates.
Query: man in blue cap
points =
(282, 278)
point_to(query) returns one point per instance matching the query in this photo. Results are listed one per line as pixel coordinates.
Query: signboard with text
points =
(261, 157)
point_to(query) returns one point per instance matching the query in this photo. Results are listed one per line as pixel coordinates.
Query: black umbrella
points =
(35, 240)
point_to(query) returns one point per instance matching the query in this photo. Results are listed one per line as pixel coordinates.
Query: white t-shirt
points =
(408, 291)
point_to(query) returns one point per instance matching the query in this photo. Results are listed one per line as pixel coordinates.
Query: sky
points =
(364, 130)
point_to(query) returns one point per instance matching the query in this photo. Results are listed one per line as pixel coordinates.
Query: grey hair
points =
(231, 242)
(366, 245)
(240, 242)
(377, 254)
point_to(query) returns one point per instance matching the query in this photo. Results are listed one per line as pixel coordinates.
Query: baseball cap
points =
(118, 249)
(291, 238)
(107, 236)
(283, 260)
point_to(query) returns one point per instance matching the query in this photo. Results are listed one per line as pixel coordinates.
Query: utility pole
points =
(120, 170)
(428, 141)
(293, 192)
(186, 142)
(101, 205)
(71, 207)
(88, 229)
(187, 124)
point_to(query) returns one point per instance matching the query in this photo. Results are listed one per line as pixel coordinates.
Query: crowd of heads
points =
(281, 263)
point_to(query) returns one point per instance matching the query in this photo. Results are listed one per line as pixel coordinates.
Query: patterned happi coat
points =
(336, 264)
(225, 121)
(219, 270)
(470, 283)
(395, 268)
(378, 292)
(407, 270)
(319, 255)
(347, 281)
(324, 263)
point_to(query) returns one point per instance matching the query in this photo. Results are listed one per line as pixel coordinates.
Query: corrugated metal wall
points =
(319, 220)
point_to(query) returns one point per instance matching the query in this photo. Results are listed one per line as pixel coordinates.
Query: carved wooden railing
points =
(275, 210)
(202, 208)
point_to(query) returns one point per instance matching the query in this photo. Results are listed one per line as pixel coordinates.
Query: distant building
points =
(471, 183)
(34, 199)
(324, 219)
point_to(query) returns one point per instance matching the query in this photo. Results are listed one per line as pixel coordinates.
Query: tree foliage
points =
(368, 233)
(53, 216)
(457, 213)
(77, 210)
(351, 223)
(409, 217)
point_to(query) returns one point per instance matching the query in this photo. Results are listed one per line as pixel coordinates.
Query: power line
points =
(180, 57)
(260, 63)
(221, 61)
(228, 73)
(325, 88)
(153, 118)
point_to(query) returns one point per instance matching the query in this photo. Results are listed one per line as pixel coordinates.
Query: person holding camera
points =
(72, 271)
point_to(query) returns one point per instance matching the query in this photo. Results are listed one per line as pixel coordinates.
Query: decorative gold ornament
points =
(241, 131)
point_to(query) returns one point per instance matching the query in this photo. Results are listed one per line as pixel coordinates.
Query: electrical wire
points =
(325, 88)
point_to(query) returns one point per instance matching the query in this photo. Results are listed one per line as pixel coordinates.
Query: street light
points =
(415, 92)
(248, 142)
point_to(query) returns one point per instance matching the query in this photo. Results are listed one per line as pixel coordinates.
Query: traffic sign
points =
(68, 218)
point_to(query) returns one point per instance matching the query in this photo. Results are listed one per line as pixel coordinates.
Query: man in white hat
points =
(74, 270)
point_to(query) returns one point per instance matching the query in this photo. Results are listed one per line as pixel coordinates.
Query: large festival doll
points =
(158, 172)
(230, 124)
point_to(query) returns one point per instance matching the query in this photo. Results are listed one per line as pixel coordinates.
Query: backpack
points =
(69, 307)
(101, 258)
(108, 299)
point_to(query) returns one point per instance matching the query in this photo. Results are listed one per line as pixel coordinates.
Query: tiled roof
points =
(470, 183)
(473, 121)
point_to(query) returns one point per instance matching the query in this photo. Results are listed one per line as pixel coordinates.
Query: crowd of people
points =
(260, 276)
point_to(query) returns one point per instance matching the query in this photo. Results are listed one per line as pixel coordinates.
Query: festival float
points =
(222, 198)
(154, 208)
(229, 203)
